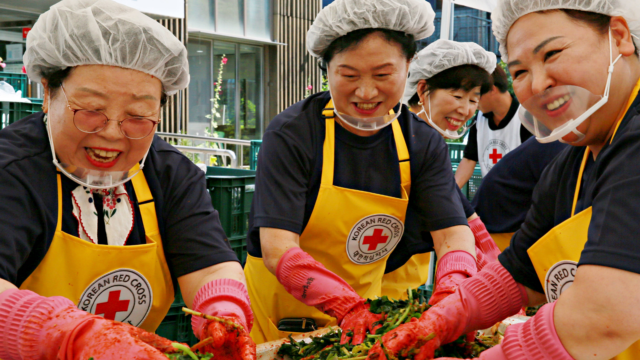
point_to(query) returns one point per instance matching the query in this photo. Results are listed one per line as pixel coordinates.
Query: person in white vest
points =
(497, 130)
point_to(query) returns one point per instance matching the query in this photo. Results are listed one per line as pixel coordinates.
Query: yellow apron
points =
(131, 284)
(502, 240)
(410, 275)
(350, 232)
(556, 255)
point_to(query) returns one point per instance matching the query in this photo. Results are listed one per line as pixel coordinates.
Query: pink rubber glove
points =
(453, 268)
(481, 301)
(227, 299)
(533, 340)
(28, 320)
(312, 284)
(486, 249)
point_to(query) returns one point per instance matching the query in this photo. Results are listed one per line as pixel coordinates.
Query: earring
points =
(420, 103)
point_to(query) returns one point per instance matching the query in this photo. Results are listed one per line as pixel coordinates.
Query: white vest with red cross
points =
(494, 145)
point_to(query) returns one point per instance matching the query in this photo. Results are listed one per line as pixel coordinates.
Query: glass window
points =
(231, 17)
(250, 68)
(224, 88)
(202, 15)
(259, 19)
(200, 87)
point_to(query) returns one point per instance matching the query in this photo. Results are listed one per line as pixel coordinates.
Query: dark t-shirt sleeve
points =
(466, 205)
(282, 179)
(434, 189)
(471, 150)
(539, 220)
(612, 239)
(194, 238)
(20, 225)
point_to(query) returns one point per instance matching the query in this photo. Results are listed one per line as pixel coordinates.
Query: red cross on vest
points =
(374, 240)
(113, 306)
(495, 156)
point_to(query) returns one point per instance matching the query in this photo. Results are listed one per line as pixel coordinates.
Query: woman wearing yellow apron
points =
(577, 248)
(347, 176)
(447, 79)
(99, 216)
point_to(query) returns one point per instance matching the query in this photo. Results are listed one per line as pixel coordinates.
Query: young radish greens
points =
(395, 313)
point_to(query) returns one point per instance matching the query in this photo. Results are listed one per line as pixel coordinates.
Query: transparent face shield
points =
(447, 133)
(93, 179)
(366, 124)
(557, 112)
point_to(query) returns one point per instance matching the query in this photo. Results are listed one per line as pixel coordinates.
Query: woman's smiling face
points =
(368, 79)
(115, 92)
(549, 50)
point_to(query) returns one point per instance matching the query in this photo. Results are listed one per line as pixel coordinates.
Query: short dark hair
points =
(55, 78)
(406, 42)
(500, 80)
(465, 77)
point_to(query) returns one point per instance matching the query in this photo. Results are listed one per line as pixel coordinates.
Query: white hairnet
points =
(508, 12)
(442, 55)
(413, 17)
(103, 32)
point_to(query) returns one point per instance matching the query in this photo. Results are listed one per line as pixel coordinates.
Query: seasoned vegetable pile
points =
(395, 313)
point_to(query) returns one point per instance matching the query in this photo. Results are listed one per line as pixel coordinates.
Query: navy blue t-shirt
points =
(290, 169)
(192, 236)
(609, 186)
(504, 197)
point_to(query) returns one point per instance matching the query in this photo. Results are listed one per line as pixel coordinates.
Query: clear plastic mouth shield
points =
(558, 111)
(93, 179)
(369, 124)
(447, 133)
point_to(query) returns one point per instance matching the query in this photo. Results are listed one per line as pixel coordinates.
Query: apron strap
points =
(59, 223)
(329, 150)
(146, 204)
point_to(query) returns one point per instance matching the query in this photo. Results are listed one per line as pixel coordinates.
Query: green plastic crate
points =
(425, 293)
(255, 148)
(456, 151)
(176, 326)
(239, 245)
(11, 112)
(231, 192)
(474, 183)
(19, 81)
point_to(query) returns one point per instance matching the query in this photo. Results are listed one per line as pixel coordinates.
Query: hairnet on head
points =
(507, 12)
(414, 17)
(442, 55)
(103, 32)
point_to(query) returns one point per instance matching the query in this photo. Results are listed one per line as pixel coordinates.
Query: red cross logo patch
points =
(122, 295)
(373, 238)
(494, 152)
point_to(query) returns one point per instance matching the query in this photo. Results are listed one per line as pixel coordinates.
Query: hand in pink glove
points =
(28, 320)
(358, 321)
(312, 284)
(486, 249)
(229, 300)
(533, 340)
(490, 296)
(453, 268)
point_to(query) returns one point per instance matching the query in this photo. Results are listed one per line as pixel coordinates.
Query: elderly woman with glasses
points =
(99, 215)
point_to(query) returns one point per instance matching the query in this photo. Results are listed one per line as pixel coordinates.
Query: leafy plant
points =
(395, 313)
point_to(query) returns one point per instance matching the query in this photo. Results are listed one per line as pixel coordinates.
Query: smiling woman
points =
(115, 214)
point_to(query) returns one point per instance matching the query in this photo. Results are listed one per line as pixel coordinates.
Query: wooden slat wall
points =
(296, 68)
(175, 114)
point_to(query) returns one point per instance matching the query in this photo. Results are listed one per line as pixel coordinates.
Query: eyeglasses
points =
(91, 122)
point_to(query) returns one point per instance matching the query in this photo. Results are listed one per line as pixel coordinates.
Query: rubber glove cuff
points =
(24, 323)
(222, 297)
